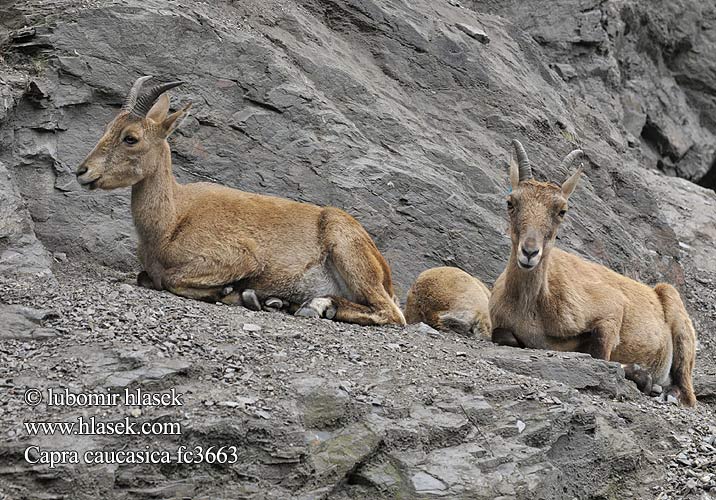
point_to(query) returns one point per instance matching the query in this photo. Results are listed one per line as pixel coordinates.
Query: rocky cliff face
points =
(401, 113)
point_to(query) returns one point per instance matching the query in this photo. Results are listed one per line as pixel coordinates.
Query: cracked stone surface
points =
(393, 112)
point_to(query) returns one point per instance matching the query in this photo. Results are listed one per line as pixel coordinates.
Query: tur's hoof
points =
(230, 297)
(274, 304)
(503, 336)
(307, 312)
(144, 280)
(318, 308)
(250, 300)
(640, 377)
(330, 311)
(672, 395)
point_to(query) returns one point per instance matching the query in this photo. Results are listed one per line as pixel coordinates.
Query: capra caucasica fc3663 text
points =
(195, 239)
(549, 299)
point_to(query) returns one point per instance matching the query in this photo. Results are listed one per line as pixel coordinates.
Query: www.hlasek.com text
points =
(84, 426)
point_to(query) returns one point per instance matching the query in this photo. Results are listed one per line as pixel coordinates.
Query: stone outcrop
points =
(402, 114)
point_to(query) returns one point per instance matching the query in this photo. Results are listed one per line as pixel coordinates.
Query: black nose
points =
(81, 170)
(529, 253)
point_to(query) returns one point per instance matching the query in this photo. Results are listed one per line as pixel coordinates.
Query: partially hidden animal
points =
(547, 298)
(210, 242)
(448, 298)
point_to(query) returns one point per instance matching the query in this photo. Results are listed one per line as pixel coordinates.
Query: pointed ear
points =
(514, 172)
(160, 109)
(571, 183)
(172, 121)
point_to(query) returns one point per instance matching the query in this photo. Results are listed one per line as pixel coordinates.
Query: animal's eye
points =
(563, 212)
(510, 206)
(130, 139)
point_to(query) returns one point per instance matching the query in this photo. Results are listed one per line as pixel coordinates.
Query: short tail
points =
(684, 341)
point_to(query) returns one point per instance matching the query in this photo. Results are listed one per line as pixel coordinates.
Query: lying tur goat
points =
(203, 240)
(550, 299)
(448, 298)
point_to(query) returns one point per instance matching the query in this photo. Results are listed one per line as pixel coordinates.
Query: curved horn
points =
(146, 99)
(522, 161)
(131, 98)
(577, 153)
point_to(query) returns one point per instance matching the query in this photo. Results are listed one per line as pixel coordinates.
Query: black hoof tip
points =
(250, 300)
(144, 280)
(331, 311)
(274, 303)
(640, 377)
(505, 337)
(307, 312)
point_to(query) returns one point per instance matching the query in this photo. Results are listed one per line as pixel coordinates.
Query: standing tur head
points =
(134, 142)
(536, 208)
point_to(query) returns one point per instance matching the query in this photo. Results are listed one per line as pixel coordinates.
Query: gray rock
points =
(427, 484)
(325, 405)
(384, 476)
(334, 117)
(425, 330)
(333, 459)
(123, 369)
(580, 371)
(705, 388)
(23, 323)
(474, 32)
(20, 251)
(392, 112)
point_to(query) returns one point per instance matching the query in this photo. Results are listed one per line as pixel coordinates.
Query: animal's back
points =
(287, 236)
(273, 224)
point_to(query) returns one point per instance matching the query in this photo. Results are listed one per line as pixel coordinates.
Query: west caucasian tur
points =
(210, 242)
(550, 299)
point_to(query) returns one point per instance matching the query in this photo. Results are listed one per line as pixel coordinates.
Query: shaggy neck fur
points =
(528, 288)
(154, 199)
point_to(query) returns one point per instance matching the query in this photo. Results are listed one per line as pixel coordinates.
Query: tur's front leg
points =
(604, 338)
(208, 294)
(205, 278)
(213, 294)
(602, 342)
